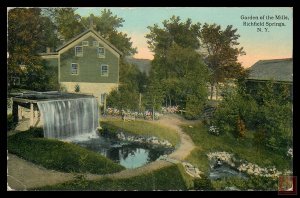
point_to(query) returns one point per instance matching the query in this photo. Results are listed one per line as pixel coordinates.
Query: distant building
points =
(279, 71)
(87, 64)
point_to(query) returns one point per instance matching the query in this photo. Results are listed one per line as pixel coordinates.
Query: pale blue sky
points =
(277, 43)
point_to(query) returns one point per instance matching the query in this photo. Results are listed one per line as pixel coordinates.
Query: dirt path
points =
(186, 143)
(24, 175)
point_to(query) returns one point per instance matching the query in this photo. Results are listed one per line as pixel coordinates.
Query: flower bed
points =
(140, 139)
(147, 115)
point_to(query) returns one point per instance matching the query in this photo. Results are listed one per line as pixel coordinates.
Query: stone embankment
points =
(247, 167)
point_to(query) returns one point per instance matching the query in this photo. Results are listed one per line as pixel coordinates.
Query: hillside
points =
(144, 65)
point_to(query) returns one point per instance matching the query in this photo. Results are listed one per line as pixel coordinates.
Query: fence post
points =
(31, 114)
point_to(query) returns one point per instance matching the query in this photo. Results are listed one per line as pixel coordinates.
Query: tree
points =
(264, 108)
(132, 82)
(178, 64)
(168, 42)
(220, 51)
(184, 34)
(67, 22)
(107, 24)
(154, 95)
(26, 38)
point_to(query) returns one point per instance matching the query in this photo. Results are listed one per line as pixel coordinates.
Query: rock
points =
(232, 188)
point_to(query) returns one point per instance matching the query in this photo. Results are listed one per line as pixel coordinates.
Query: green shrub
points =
(240, 128)
(11, 124)
(263, 107)
(109, 130)
(253, 183)
(77, 88)
(203, 183)
(36, 132)
(194, 107)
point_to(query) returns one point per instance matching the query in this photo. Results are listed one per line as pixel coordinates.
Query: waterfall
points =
(69, 117)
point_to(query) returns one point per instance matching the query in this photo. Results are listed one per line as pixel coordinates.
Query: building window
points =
(74, 69)
(104, 70)
(101, 52)
(85, 43)
(79, 51)
(95, 44)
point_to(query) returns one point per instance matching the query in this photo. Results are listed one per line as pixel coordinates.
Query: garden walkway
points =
(24, 175)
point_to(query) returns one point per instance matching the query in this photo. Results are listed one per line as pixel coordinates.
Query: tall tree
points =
(221, 52)
(27, 37)
(154, 95)
(177, 63)
(107, 25)
(67, 22)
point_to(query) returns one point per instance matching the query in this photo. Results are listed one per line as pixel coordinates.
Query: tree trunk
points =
(140, 103)
(211, 91)
(153, 112)
(217, 91)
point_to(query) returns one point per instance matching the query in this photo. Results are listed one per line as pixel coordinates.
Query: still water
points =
(130, 155)
(224, 171)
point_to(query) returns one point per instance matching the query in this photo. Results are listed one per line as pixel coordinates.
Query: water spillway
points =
(66, 118)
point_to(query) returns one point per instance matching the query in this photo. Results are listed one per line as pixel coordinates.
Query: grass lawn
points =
(168, 178)
(143, 128)
(242, 148)
(57, 155)
(254, 182)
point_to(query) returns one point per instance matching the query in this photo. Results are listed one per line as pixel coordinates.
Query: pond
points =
(223, 171)
(128, 154)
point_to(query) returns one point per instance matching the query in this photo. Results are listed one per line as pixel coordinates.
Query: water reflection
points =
(129, 155)
(223, 171)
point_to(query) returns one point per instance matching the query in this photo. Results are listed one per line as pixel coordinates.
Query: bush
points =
(77, 88)
(203, 183)
(36, 132)
(253, 183)
(240, 128)
(109, 130)
(123, 98)
(11, 124)
(214, 130)
(264, 108)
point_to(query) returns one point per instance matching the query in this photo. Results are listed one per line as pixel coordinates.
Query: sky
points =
(274, 39)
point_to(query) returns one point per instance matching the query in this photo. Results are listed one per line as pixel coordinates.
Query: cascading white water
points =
(68, 118)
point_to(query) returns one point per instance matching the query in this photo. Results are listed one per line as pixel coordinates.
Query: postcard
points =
(150, 98)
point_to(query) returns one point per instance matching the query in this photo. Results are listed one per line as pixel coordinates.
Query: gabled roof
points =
(84, 33)
(275, 69)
